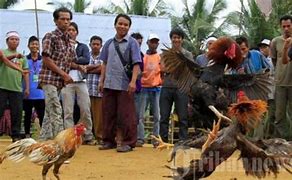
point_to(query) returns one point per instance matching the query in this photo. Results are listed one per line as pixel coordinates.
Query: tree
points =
(4, 4)
(137, 7)
(78, 6)
(252, 23)
(199, 23)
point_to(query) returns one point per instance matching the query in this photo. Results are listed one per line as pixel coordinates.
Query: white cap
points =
(211, 39)
(12, 33)
(265, 42)
(153, 36)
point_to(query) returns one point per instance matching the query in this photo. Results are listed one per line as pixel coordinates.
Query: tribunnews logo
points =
(213, 161)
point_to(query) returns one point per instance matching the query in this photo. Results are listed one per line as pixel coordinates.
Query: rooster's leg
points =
(56, 169)
(162, 145)
(218, 114)
(45, 170)
(212, 135)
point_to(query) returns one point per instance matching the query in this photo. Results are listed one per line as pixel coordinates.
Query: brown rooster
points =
(48, 153)
(258, 157)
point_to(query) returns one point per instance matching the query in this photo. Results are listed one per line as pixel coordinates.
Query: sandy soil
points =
(141, 164)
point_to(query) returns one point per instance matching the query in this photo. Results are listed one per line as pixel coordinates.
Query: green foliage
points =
(78, 6)
(253, 24)
(137, 7)
(4, 4)
(199, 23)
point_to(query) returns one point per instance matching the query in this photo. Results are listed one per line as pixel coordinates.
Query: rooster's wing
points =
(255, 86)
(44, 152)
(265, 156)
(181, 68)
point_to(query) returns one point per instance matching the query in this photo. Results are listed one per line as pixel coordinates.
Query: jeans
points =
(15, 103)
(83, 101)
(168, 96)
(153, 99)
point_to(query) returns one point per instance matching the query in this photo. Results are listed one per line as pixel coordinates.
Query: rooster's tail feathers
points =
(16, 150)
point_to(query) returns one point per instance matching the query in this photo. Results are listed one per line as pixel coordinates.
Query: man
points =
(151, 86)
(36, 98)
(93, 71)
(11, 84)
(283, 80)
(78, 89)
(119, 117)
(170, 94)
(254, 62)
(202, 59)
(58, 57)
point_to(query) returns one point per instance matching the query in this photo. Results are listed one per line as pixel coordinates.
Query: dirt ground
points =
(141, 164)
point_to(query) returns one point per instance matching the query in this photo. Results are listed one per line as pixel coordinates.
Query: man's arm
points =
(48, 62)
(26, 81)
(273, 52)
(102, 77)
(85, 55)
(287, 44)
(8, 63)
(93, 69)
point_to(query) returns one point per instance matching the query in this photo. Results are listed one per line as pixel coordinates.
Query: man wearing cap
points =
(151, 86)
(264, 47)
(202, 59)
(11, 84)
(283, 80)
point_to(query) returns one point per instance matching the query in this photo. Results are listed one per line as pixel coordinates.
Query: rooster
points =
(259, 157)
(209, 87)
(48, 153)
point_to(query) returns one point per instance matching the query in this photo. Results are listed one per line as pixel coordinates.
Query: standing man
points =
(119, 117)
(202, 59)
(93, 71)
(171, 94)
(36, 98)
(283, 80)
(11, 84)
(151, 86)
(78, 89)
(264, 47)
(58, 57)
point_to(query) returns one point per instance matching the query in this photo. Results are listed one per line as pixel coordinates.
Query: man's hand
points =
(67, 79)
(26, 93)
(100, 87)
(82, 68)
(287, 42)
(18, 56)
(132, 87)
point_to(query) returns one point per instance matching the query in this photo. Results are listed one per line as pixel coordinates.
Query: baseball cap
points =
(153, 36)
(265, 42)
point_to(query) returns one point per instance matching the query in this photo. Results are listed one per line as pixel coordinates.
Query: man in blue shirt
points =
(254, 62)
(119, 116)
(36, 98)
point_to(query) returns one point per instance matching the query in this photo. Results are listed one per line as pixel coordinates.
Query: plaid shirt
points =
(57, 46)
(93, 79)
